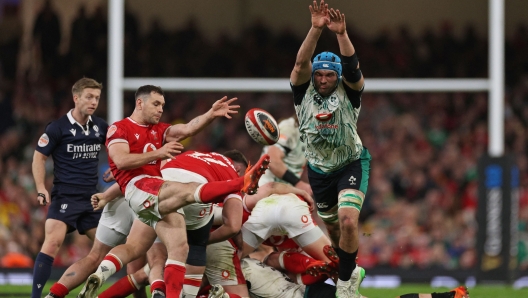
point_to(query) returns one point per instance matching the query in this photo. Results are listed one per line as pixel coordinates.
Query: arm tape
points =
(290, 177)
(351, 72)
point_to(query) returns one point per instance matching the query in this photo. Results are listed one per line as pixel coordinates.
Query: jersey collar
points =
(73, 121)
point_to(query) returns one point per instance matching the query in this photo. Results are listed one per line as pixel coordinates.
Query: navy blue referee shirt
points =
(74, 149)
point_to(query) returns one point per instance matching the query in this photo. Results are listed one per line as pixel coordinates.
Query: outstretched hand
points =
(319, 14)
(223, 107)
(337, 21)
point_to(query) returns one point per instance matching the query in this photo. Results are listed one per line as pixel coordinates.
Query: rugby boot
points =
(158, 294)
(350, 288)
(217, 291)
(253, 174)
(320, 268)
(461, 292)
(91, 287)
(330, 253)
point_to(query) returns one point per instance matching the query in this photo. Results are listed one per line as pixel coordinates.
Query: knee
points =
(348, 224)
(52, 245)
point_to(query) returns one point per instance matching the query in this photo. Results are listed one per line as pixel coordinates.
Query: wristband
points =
(351, 72)
(43, 196)
(290, 177)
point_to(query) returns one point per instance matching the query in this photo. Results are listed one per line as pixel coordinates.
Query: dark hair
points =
(84, 83)
(236, 156)
(147, 89)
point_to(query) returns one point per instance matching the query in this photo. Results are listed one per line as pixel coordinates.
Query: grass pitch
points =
(477, 292)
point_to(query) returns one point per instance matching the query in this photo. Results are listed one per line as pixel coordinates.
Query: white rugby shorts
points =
(278, 215)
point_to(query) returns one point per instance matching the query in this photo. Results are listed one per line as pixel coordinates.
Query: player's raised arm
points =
(352, 75)
(221, 108)
(303, 66)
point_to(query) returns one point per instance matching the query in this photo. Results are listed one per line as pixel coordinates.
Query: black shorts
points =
(197, 240)
(326, 186)
(71, 205)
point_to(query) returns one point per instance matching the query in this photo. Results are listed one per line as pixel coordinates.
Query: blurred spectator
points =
(10, 36)
(14, 258)
(47, 34)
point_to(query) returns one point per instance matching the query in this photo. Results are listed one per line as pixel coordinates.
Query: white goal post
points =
(494, 84)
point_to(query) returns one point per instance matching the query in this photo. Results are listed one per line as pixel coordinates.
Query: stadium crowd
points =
(420, 208)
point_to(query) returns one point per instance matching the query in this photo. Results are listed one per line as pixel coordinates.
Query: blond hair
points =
(84, 83)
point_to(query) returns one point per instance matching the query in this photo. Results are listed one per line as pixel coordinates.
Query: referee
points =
(74, 142)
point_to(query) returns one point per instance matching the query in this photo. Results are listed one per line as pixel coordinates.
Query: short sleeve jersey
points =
(328, 126)
(140, 139)
(292, 147)
(212, 166)
(74, 149)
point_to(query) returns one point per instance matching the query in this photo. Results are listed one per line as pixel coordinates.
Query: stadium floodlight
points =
(494, 84)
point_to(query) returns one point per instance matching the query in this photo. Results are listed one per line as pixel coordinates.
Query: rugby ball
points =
(262, 127)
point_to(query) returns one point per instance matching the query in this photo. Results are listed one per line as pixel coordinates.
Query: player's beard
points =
(154, 120)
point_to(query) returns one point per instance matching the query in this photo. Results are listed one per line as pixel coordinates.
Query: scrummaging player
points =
(327, 100)
(74, 142)
(276, 282)
(200, 167)
(206, 167)
(287, 159)
(223, 264)
(285, 221)
(136, 145)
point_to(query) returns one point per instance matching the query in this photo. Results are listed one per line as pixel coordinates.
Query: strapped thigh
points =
(329, 216)
(350, 198)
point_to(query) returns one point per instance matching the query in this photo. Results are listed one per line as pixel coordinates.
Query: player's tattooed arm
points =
(221, 108)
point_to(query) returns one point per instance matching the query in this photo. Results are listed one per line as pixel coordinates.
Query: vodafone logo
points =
(324, 116)
(304, 219)
(149, 147)
(225, 274)
(146, 204)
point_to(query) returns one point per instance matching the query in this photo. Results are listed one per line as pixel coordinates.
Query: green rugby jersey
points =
(331, 144)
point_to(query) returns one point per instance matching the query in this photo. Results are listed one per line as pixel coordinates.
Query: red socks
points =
(122, 288)
(174, 276)
(308, 279)
(158, 285)
(216, 191)
(59, 290)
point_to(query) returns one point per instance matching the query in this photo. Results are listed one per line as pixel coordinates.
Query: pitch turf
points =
(477, 292)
